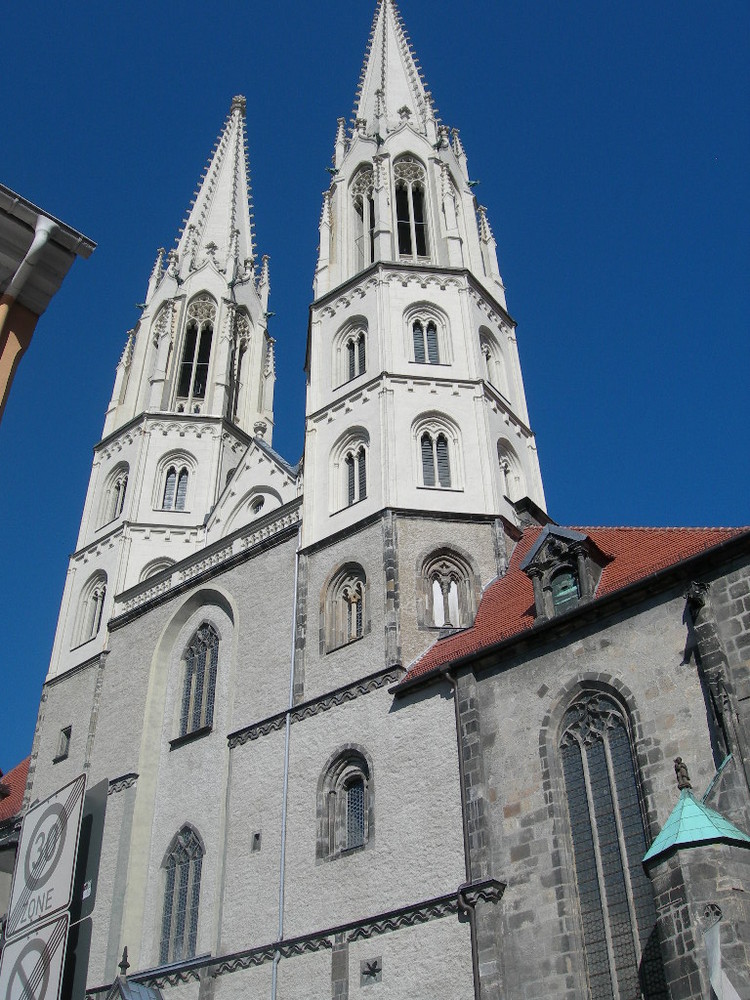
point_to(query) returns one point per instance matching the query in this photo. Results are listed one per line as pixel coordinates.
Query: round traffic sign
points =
(45, 846)
(29, 977)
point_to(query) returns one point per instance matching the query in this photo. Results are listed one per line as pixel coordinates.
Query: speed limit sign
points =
(45, 862)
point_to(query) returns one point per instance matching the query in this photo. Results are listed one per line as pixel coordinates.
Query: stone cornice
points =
(486, 890)
(91, 661)
(323, 703)
(152, 416)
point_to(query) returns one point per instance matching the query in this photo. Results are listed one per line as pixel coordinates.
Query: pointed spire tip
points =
(239, 103)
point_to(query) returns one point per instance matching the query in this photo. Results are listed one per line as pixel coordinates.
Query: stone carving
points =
(121, 783)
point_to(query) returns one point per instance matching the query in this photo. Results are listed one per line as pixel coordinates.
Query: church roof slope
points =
(507, 606)
(692, 822)
(15, 784)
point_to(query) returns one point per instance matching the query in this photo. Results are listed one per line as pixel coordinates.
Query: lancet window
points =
(436, 463)
(345, 607)
(364, 218)
(447, 590)
(616, 901)
(411, 221)
(114, 498)
(192, 379)
(91, 610)
(175, 488)
(425, 338)
(182, 886)
(199, 685)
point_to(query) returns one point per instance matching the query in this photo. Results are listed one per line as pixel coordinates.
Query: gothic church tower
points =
(415, 397)
(193, 387)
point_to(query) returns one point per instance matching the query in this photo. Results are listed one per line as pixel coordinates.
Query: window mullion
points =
(600, 874)
(412, 225)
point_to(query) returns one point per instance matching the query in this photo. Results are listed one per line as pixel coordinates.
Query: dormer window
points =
(565, 568)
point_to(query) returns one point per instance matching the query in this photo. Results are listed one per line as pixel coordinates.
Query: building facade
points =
(375, 722)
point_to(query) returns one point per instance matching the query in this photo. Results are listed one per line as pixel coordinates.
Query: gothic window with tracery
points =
(356, 475)
(616, 901)
(345, 607)
(192, 379)
(175, 488)
(364, 218)
(114, 498)
(447, 588)
(199, 685)
(179, 925)
(355, 355)
(411, 221)
(345, 805)
(348, 469)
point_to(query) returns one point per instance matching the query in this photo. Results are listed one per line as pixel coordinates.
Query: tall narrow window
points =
(201, 661)
(447, 591)
(615, 896)
(411, 222)
(192, 380)
(355, 355)
(179, 925)
(355, 463)
(114, 497)
(435, 455)
(426, 347)
(175, 488)
(93, 611)
(355, 812)
(364, 218)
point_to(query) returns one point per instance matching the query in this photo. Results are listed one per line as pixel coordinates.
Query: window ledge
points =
(431, 364)
(343, 645)
(196, 734)
(441, 489)
(59, 757)
(348, 507)
(84, 643)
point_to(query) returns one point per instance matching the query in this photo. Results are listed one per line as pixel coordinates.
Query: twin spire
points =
(391, 87)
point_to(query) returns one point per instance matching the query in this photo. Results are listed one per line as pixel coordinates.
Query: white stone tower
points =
(193, 388)
(415, 398)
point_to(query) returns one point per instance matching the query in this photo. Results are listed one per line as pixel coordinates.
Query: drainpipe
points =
(44, 229)
(463, 905)
(287, 734)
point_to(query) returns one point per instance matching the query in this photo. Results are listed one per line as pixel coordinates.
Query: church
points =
(374, 725)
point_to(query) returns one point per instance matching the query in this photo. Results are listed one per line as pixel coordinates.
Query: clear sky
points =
(612, 143)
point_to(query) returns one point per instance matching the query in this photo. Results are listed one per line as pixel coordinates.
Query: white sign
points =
(32, 965)
(45, 863)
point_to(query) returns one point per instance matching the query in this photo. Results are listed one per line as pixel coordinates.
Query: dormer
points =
(565, 567)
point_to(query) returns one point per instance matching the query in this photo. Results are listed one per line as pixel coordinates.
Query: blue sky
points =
(612, 143)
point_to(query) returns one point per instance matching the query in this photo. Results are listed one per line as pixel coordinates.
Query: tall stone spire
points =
(391, 86)
(219, 225)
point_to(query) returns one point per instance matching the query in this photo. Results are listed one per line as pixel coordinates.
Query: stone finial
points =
(239, 103)
(124, 963)
(680, 769)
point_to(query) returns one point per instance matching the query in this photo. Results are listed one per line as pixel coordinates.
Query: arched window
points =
(192, 378)
(199, 686)
(349, 470)
(114, 494)
(436, 465)
(91, 608)
(154, 567)
(179, 924)
(364, 218)
(447, 588)
(349, 359)
(494, 369)
(175, 488)
(512, 479)
(425, 337)
(344, 607)
(616, 900)
(411, 221)
(355, 355)
(346, 819)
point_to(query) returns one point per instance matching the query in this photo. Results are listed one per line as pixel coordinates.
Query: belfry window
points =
(616, 901)
(175, 488)
(447, 590)
(91, 609)
(436, 466)
(411, 221)
(192, 379)
(198, 690)
(355, 355)
(356, 476)
(179, 924)
(114, 497)
(425, 337)
(364, 218)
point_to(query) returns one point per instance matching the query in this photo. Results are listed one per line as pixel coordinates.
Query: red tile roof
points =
(507, 605)
(15, 780)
